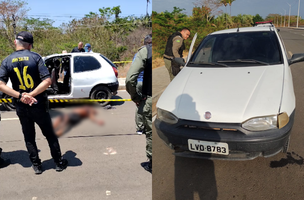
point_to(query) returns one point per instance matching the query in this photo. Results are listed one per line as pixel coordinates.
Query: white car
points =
(233, 100)
(79, 75)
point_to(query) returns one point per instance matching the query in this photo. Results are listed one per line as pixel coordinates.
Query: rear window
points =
(108, 61)
(234, 48)
(85, 63)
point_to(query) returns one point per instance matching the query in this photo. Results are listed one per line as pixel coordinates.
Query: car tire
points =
(286, 145)
(8, 106)
(101, 92)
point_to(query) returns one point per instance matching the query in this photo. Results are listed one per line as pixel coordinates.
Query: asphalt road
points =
(278, 177)
(104, 162)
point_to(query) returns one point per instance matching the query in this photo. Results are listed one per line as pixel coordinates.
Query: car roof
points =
(69, 54)
(246, 29)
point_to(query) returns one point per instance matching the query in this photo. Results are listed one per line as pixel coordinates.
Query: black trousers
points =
(28, 116)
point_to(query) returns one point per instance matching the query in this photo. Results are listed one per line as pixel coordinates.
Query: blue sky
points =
(252, 7)
(63, 11)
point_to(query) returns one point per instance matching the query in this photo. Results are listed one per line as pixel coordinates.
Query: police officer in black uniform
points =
(30, 78)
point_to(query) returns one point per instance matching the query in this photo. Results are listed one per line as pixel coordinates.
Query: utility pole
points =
(277, 20)
(281, 19)
(284, 17)
(298, 15)
(289, 15)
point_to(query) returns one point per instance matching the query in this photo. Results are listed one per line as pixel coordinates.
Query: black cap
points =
(25, 37)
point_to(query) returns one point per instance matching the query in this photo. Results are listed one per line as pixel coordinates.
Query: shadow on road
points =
(117, 103)
(17, 157)
(69, 155)
(292, 158)
(196, 182)
(21, 157)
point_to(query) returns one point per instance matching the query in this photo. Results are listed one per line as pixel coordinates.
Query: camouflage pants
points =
(145, 107)
(139, 119)
(169, 68)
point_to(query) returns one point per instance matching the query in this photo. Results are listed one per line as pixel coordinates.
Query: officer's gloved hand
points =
(136, 99)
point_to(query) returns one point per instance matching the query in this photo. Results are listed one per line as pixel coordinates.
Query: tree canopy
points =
(116, 37)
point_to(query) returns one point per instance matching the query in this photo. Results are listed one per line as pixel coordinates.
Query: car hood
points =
(231, 95)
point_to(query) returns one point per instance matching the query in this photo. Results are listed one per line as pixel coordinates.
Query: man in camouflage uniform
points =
(143, 62)
(174, 49)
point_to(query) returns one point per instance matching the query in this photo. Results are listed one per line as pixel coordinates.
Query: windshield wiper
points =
(243, 61)
(205, 63)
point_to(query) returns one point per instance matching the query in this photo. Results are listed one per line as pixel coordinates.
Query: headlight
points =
(166, 116)
(261, 123)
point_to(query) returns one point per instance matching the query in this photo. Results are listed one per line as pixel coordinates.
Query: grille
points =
(209, 128)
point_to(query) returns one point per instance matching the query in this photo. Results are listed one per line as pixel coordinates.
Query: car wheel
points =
(286, 146)
(101, 92)
(8, 106)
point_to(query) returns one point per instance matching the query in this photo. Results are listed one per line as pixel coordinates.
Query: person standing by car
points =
(88, 48)
(30, 78)
(139, 121)
(143, 62)
(79, 48)
(174, 49)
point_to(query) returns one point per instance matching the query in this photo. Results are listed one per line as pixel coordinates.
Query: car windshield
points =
(239, 48)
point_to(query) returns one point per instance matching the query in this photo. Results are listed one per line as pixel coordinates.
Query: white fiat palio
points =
(233, 100)
(78, 75)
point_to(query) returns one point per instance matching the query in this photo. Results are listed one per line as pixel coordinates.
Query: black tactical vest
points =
(147, 80)
(169, 45)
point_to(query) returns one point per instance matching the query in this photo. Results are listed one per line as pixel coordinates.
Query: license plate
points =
(208, 147)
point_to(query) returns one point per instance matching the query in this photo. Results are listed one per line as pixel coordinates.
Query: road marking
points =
(290, 53)
(9, 119)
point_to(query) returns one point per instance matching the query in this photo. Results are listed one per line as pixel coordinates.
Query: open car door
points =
(191, 48)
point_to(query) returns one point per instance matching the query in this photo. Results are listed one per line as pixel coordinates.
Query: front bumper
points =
(243, 144)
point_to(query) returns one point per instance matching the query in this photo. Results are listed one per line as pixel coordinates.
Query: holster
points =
(175, 67)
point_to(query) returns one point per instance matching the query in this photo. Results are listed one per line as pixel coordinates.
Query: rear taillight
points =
(115, 71)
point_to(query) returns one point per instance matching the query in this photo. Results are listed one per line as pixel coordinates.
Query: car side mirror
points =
(299, 57)
(180, 61)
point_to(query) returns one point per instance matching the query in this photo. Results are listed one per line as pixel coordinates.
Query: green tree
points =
(257, 18)
(31, 24)
(8, 9)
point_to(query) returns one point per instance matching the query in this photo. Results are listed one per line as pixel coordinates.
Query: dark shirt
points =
(26, 71)
(77, 50)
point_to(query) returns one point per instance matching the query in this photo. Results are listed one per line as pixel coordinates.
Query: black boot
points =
(61, 165)
(37, 167)
(4, 163)
(147, 166)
